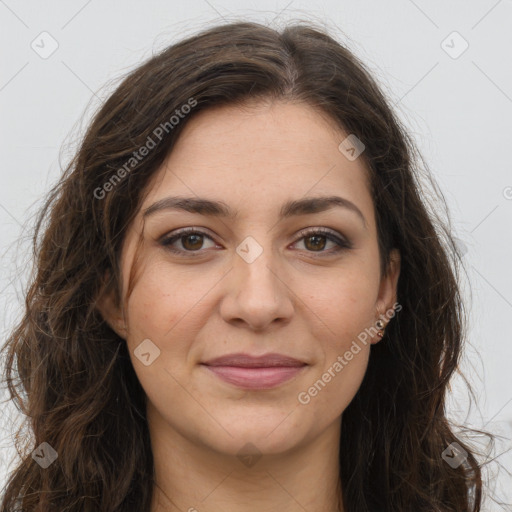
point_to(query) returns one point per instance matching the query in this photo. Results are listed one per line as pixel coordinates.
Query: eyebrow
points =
(212, 208)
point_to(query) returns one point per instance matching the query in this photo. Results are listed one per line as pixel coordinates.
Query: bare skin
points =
(298, 297)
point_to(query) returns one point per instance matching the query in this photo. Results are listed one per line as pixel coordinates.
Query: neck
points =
(192, 477)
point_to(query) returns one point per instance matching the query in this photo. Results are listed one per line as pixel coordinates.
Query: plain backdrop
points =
(445, 66)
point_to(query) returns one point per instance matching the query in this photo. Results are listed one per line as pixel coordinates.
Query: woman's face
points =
(253, 283)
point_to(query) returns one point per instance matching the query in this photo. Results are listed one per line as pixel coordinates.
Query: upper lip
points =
(248, 361)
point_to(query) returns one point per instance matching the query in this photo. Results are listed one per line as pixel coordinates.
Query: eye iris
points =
(198, 240)
(316, 245)
(194, 241)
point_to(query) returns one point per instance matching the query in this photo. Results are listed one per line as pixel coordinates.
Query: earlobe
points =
(107, 305)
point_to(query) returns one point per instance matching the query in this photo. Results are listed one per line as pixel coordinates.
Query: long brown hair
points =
(71, 375)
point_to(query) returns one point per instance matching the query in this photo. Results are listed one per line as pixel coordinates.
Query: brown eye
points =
(316, 242)
(195, 242)
(191, 240)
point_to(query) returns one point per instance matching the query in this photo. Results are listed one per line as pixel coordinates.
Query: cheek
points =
(167, 311)
(168, 307)
(343, 313)
(344, 302)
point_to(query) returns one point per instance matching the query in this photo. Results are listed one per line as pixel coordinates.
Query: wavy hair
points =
(70, 374)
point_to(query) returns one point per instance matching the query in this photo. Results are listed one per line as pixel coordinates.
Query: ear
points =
(107, 305)
(388, 286)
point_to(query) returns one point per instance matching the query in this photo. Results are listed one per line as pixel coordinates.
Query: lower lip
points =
(255, 378)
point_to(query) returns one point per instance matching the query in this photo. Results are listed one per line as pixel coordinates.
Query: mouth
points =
(255, 372)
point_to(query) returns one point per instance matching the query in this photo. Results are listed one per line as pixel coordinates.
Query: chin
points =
(256, 442)
(269, 434)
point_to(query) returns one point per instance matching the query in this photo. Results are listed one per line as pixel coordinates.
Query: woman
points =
(241, 300)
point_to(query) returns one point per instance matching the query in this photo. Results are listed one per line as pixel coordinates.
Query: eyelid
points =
(342, 242)
(324, 231)
(175, 235)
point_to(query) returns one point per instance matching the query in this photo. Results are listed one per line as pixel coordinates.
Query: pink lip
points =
(255, 372)
(248, 361)
(255, 378)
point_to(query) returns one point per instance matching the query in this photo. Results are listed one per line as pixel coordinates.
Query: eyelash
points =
(342, 243)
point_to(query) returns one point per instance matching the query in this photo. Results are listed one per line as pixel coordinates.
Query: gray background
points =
(458, 107)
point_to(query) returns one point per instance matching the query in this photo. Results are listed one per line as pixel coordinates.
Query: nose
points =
(256, 294)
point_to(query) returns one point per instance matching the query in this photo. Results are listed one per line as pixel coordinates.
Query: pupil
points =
(315, 244)
(198, 240)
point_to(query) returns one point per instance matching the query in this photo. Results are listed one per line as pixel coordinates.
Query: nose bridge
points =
(258, 294)
(256, 263)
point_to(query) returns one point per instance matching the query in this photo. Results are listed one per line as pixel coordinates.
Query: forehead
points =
(257, 156)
